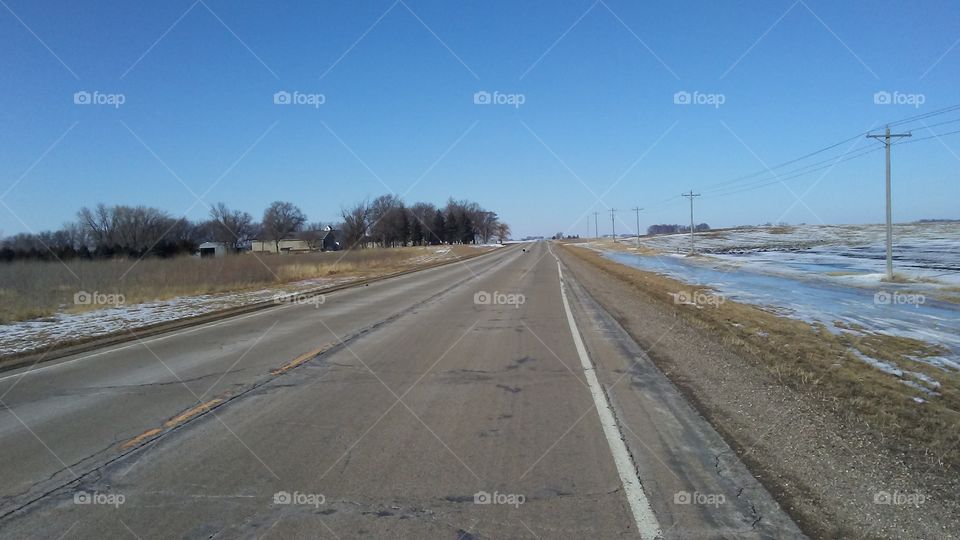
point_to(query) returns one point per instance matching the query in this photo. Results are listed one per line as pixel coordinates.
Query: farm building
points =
(213, 249)
(301, 242)
(287, 245)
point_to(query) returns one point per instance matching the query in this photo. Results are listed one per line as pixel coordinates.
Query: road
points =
(491, 398)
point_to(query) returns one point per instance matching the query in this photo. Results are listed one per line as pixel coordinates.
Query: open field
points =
(927, 255)
(916, 408)
(831, 276)
(39, 306)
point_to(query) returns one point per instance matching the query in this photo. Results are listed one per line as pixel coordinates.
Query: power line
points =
(910, 119)
(826, 164)
(724, 188)
(791, 176)
(934, 136)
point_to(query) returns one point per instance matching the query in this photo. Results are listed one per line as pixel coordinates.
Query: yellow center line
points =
(300, 359)
(190, 413)
(140, 438)
(203, 407)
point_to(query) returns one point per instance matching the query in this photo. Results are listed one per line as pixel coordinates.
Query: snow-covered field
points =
(35, 335)
(927, 254)
(826, 274)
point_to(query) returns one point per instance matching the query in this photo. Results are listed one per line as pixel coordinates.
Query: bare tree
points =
(231, 227)
(280, 220)
(356, 219)
(389, 220)
(421, 223)
(99, 224)
(503, 231)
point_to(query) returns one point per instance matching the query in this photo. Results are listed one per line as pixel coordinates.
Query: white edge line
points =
(647, 524)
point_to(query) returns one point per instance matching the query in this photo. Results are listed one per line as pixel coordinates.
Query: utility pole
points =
(613, 226)
(596, 227)
(887, 136)
(691, 195)
(637, 210)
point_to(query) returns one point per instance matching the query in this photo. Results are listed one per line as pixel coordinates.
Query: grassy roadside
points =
(825, 366)
(36, 289)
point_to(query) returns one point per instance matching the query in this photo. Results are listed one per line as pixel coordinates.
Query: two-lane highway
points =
(484, 399)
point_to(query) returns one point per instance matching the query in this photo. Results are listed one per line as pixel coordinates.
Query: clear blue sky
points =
(598, 83)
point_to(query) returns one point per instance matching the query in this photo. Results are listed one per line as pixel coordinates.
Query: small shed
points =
(213, 249)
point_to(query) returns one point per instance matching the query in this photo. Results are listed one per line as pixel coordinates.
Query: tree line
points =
(136, 231)
(674, 229)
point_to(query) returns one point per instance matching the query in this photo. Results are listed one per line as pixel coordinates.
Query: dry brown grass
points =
(823, 365)
(33, 289)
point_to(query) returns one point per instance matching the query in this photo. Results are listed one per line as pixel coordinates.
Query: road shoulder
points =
(697, 485)
(823, 470)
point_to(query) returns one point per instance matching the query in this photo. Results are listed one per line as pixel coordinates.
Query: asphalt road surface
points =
(491, 398)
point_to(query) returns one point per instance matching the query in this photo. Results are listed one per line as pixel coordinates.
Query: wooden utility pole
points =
(886, 137)
(691, 195)
(613, 226)
(637, 210)
(596, 226)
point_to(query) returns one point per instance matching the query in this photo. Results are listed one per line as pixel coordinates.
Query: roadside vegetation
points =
(144, 254)
(36, 289)
(120, 231)
(825, 366)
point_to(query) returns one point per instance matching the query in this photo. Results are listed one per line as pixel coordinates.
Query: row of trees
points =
(135, 231)
(674, 229)
(387, 221)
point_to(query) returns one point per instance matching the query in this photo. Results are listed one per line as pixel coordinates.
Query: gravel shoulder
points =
(837, 475)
